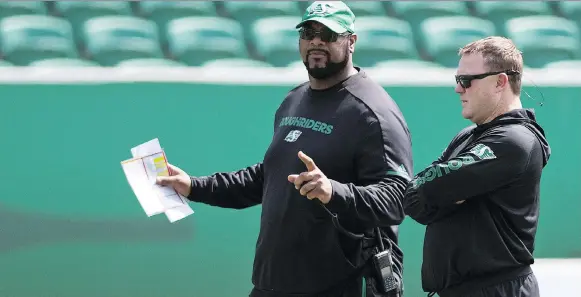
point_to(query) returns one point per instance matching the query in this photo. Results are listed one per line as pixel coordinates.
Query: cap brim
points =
(333, 26)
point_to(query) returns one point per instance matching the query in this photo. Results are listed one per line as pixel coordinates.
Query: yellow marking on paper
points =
(159, 163)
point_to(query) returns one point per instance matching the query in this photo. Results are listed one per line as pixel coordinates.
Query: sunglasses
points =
(465, 80)
(325, 35)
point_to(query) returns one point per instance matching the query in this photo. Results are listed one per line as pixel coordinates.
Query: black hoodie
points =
(495, 168)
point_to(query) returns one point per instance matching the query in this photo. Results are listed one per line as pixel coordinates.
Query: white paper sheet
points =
(149, 162)
(141, 186)
(178, 213)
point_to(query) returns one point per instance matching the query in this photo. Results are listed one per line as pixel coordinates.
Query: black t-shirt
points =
(357, 136)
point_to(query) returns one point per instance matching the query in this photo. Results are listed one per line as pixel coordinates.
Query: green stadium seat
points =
(565, 64)
(235, 62)
(28, 38)
(545, 39)
(406, 64)
(499, 12)
(366, 8)
(570, 9)
(63, 62)
(360, 8)
(277, 40)
(78, 12)
(150, 62)
(363, 8)
(382, 38)
(112, 39)
(12, 8)
(414, 12)
(161, 12)
(195, 40)
(444, 36)
(248, 12)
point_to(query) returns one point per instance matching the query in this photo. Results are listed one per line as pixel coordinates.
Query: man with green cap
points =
(336, 23)
(332, 180)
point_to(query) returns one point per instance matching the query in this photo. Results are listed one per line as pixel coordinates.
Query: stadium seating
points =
(298, 64)
(501, 11)
(26, 38)
(405, 64)
(570, 9)
(565, 64)
(263, 32)
(63, 62)
(359, 8)
(414, 12)
(12, 8)
(366, 8)
(545, 39)
(235, 62)
(276, 39)
(149, 62)
(6, 64)
(248, 12)
(78, 12)
(195, 40)
(161, 12)
(111, 39)
(383, 38)
(453, 33)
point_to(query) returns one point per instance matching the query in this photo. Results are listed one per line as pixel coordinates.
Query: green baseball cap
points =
(335, 15)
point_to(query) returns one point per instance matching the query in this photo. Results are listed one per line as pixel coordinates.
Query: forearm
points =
(424, 213)
(373, 205)
(239, 189)
(491, 163)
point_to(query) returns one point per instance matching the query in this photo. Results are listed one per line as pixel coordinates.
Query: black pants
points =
(524, 286)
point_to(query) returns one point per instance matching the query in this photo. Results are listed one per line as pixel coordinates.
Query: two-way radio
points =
(382, 261)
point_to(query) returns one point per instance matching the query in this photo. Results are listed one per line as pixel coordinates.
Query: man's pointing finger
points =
(307, 161)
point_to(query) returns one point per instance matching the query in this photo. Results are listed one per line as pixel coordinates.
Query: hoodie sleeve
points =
(494, 160)
(423, 213)
(239, 189)
(382, 162)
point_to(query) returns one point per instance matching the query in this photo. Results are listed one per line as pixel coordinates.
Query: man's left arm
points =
(383, 163)
(495, 160)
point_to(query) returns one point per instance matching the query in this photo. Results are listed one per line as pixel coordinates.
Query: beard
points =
(330, 69)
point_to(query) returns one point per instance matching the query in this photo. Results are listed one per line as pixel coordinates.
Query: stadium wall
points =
(70, 225)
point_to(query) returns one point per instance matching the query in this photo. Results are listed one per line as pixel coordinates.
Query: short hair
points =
(499, 54)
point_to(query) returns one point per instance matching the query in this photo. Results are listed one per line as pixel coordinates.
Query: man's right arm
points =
(238, 189)
(422, 212)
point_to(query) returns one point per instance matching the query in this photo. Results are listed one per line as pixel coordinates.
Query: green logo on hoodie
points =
(478, 153)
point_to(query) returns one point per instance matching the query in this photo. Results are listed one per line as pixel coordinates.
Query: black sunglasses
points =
(465, 80)
(326, 35)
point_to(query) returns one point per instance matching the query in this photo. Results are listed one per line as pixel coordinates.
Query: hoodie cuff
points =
(340, 197)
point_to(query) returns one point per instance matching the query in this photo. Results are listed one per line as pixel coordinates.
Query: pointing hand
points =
(312, 183)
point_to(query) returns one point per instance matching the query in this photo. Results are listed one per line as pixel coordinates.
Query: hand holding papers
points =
(142, 170)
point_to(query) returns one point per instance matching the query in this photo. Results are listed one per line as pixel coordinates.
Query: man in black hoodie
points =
(341, 148)
(480, 199)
